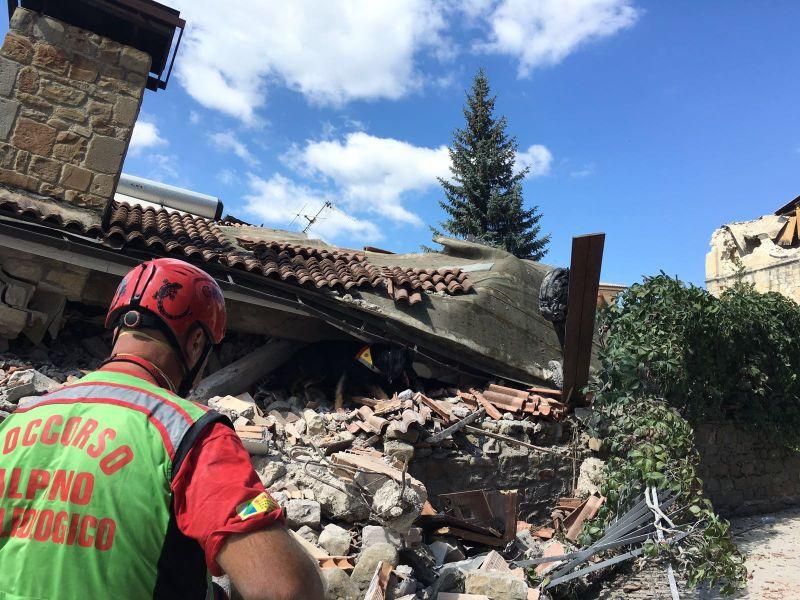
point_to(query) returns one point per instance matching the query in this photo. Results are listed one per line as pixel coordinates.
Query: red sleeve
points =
(216, 492)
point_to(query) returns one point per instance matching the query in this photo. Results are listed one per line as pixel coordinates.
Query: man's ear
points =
(195, 344)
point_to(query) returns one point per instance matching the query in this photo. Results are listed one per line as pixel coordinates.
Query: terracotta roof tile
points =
(39, 214)
(161, 231)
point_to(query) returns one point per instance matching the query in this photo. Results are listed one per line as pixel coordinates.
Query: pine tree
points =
(484, 199)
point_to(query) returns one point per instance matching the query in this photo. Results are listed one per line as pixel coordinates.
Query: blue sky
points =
(654, 122)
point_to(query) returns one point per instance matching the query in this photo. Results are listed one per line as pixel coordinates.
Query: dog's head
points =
(389, 361)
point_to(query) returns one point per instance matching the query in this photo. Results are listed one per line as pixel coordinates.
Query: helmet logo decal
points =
(212, 291)
(169, 290)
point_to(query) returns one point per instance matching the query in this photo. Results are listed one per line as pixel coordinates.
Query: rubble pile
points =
(343, 473)
(32, 370)
(427, 493)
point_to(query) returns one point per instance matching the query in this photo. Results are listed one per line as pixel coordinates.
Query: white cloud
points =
(537, 158)
(194, 117)
(226, 140)
(145, 137)
(227, 176)
(374, 174)
(164, 167)
(585, 171)
(331, 52)
(279, 200)
(544, 32)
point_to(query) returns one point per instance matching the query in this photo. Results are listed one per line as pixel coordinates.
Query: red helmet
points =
(176, 293)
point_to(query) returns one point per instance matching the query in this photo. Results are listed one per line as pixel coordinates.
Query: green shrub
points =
(672, 355)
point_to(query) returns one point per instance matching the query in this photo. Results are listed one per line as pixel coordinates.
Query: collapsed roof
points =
(470, 307)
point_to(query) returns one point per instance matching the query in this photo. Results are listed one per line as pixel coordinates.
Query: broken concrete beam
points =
(238, 376)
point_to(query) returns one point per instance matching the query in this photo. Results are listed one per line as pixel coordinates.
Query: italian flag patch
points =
(262, 503)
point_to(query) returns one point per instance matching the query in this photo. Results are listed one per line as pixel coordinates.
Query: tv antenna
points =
(297, 216)
(312, 220)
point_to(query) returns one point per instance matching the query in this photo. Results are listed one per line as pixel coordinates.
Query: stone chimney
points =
(68, 101)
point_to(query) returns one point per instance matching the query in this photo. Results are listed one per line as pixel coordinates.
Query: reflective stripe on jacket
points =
(85, 493)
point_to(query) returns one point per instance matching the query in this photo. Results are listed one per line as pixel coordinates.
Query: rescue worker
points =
(116, 487)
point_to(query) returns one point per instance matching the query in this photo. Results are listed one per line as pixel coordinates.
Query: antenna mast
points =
(312, 220)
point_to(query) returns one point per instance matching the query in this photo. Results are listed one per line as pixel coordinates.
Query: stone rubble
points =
(354, 481)
(348, 478)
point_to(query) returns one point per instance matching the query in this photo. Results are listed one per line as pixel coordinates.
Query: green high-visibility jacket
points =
(85, 498)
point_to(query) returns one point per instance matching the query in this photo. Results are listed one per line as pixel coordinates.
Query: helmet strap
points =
(188, 380)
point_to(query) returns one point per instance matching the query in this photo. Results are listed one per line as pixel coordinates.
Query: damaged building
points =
(764, 252)
(406, 409)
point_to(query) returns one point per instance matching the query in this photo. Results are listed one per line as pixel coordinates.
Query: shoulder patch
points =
(263, 503)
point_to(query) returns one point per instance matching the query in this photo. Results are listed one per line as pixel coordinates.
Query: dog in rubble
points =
(342, 370)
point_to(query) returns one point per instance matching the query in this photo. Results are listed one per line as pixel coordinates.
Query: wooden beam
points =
(788, 233)
(584, 280)
(238, 376)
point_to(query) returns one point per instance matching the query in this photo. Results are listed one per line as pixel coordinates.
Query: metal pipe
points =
(170, 196)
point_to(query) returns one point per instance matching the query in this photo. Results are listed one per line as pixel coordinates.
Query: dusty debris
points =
(381, 580)
(28, 382)
(344, 475)
(369, 559)
(590, 477)
(587, 511)
(335, 540)
(338, 585)
(495, 584)
(302, 512)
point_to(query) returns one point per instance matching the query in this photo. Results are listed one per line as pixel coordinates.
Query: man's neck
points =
(160, 360)
(127, 368)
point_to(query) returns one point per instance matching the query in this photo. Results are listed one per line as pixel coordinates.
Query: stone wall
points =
(68, 101)
(540, 478)
(746, 472)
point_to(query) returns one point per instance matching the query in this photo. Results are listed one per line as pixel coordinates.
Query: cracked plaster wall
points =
(747, 249)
